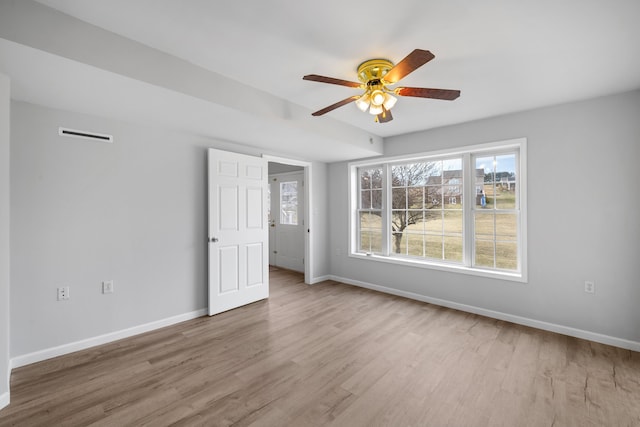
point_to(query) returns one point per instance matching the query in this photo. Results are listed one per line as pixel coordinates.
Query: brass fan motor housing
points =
(373, 69)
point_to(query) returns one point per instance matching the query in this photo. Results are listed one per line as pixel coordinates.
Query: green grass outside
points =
(417, 240)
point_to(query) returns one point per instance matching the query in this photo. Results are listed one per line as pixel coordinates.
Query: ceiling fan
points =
(376, 75)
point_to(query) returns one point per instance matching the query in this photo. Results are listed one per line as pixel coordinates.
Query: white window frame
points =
(358, 190)
(468, 193)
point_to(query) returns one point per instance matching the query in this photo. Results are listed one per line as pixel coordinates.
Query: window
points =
(269, 202)
(370, 210)
(460, 211)
(289, 203)
(424, 222)
(496, 216)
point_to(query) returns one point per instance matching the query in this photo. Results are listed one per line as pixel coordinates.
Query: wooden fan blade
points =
(385, 116)
(336, 105)
(323, 79)
(410, 63)
(423, 92)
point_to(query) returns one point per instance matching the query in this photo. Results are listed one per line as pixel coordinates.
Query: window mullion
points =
(386, 209)
(468, 208)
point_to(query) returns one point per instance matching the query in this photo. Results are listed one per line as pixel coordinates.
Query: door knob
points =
(213, 239)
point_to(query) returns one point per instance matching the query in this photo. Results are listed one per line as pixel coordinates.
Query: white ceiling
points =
(504, 56)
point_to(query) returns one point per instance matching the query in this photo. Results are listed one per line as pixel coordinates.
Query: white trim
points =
(4, 400)
(285, 174)
(523, 191)
(490, 146)
(60, 350)
(286, 160)
(442, 266)
(319, 279)
(468, 154)
(538, 324)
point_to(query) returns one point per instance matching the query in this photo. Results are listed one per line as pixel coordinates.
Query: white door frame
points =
(308, 235)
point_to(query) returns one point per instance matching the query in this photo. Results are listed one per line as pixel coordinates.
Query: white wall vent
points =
(74, 133)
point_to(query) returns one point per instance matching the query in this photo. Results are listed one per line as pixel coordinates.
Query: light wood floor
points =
(335, 355)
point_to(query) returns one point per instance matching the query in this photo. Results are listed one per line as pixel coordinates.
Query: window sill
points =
(453, 268)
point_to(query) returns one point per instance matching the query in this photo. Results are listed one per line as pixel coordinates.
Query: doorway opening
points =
(289, 206)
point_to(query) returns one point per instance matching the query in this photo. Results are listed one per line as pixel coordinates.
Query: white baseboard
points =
(4, 400)
(552, 327)
(320, 279)
(60, 350)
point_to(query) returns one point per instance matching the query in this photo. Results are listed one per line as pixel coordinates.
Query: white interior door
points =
(287, 221)
(238, 231)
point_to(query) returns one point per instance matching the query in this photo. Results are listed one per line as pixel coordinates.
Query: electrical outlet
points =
(589, 287)
(107, 287)
(63, 293)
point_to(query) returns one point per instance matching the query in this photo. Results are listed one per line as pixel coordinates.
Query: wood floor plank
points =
(333, 355)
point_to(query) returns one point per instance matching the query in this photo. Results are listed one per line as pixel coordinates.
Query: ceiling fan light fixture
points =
(377, 98)
(363, 102)
(389, 101)
(376, 109)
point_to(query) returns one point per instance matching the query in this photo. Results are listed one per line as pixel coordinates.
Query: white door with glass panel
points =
(287, 221)
(238, 231)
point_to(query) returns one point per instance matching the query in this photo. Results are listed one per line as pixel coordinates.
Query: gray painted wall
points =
(133, 211)
(320, 222)
(276, 168)
(4, 237)
(584, 206)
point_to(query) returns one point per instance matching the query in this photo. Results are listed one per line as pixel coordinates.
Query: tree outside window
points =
(461, 209)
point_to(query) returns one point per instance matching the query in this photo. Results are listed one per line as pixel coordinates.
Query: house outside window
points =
(461, 211)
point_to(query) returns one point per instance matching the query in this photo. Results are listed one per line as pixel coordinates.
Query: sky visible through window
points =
(505, 163)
